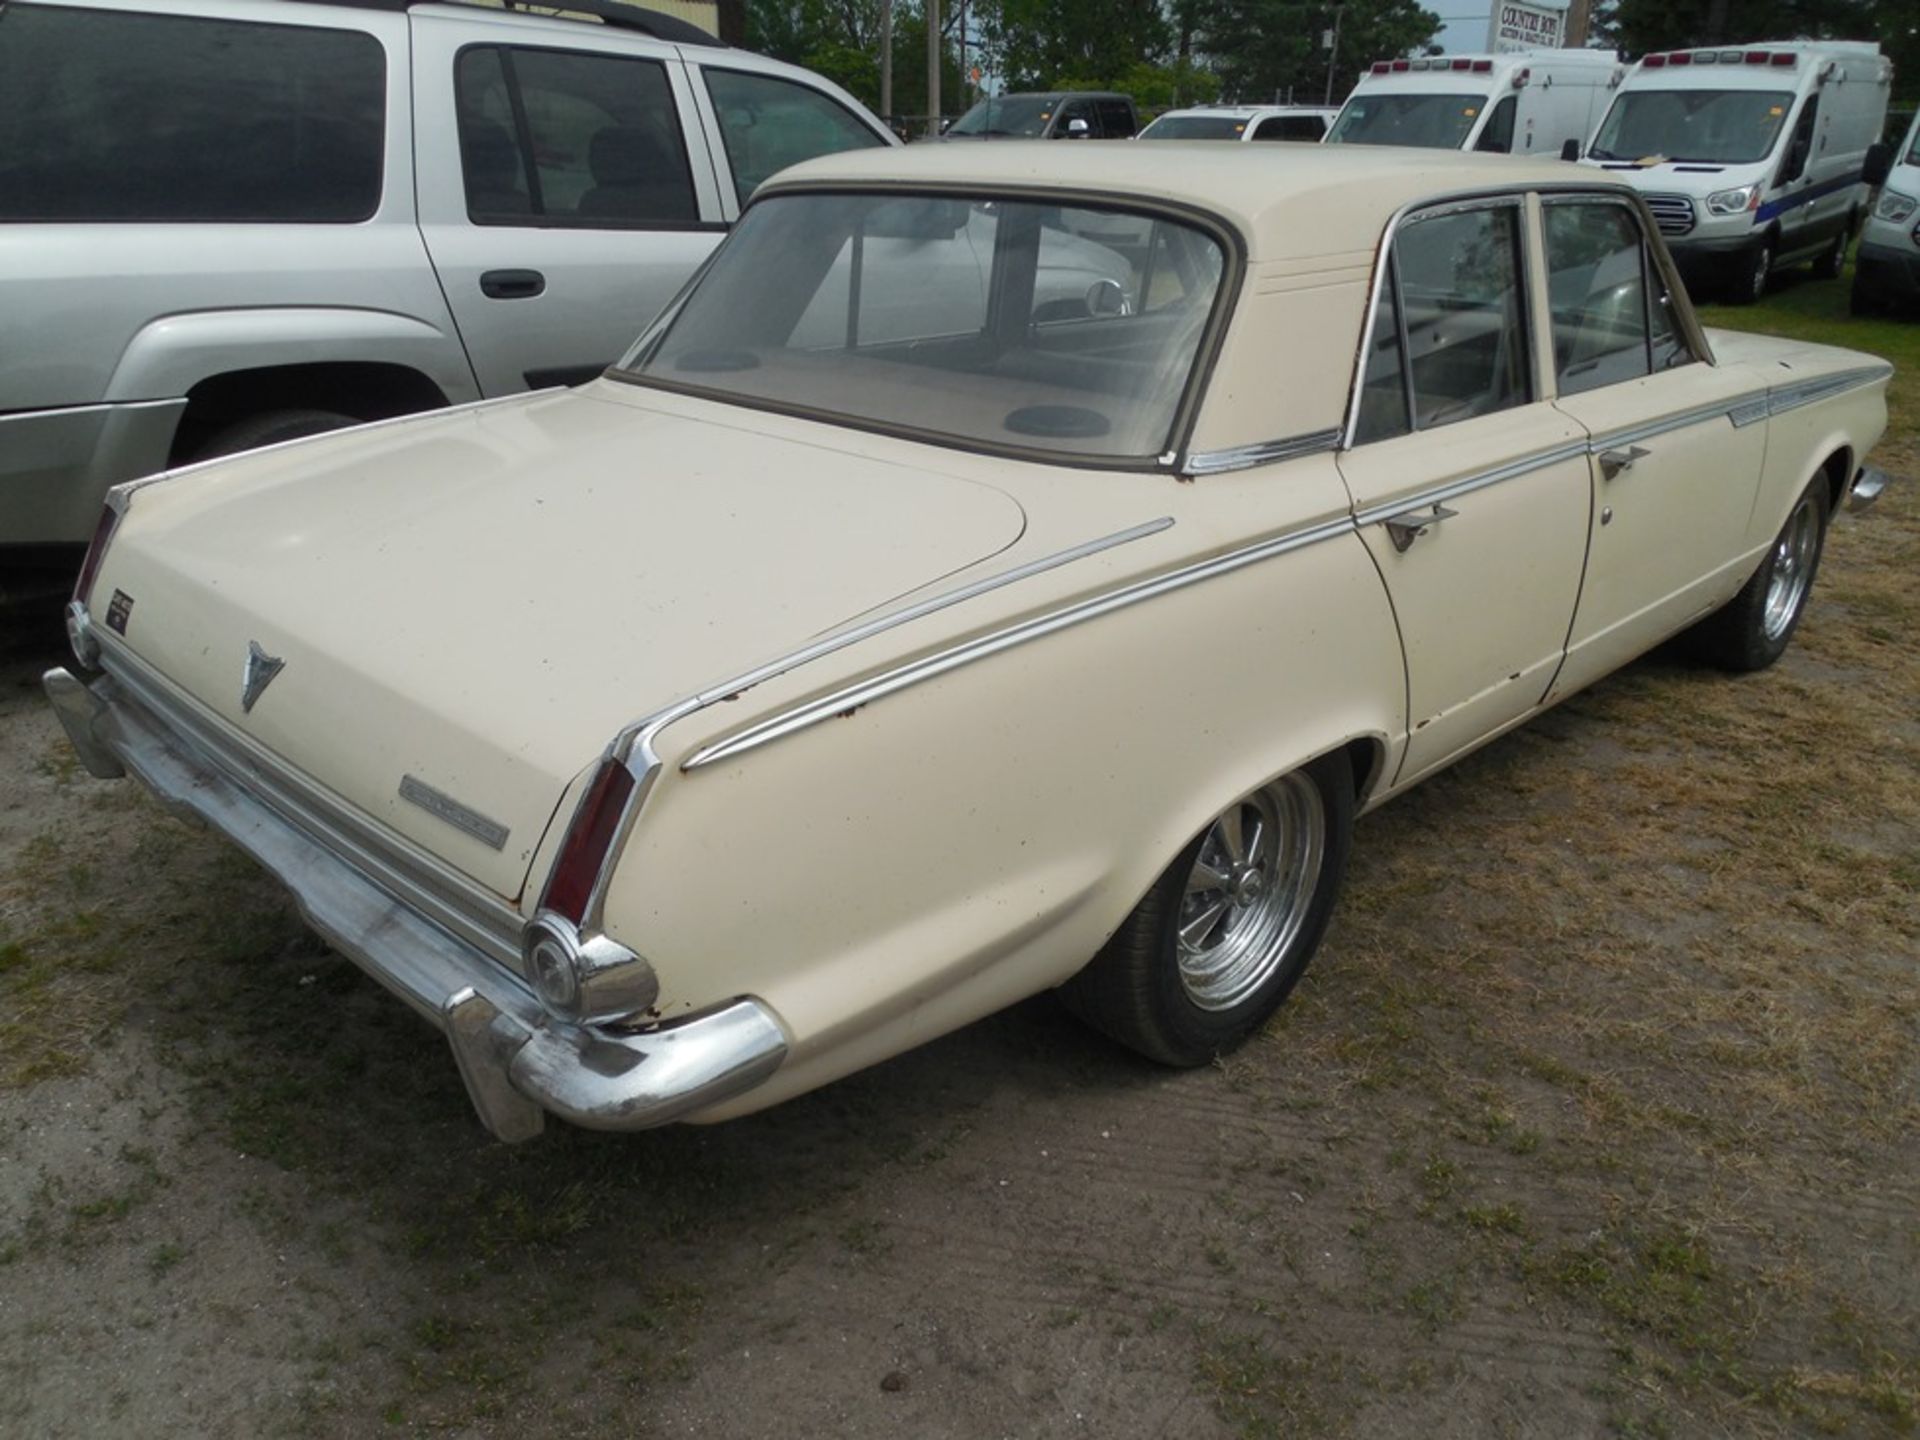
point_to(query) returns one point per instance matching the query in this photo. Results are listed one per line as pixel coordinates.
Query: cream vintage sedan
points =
(865, 652)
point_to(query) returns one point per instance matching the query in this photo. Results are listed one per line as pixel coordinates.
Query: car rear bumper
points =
(518, 1062)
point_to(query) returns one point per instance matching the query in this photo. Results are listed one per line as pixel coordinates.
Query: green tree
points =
(1036, 44)
(1266, 48)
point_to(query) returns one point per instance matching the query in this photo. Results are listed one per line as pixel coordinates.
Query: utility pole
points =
(886, 61)
(1333, 51)
(1579, 23)
(933, 67)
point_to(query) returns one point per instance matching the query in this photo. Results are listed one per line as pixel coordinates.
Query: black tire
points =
(1750, 286)
(270, 428)
(1753, 629)
(1832, 263)
(1136, 991)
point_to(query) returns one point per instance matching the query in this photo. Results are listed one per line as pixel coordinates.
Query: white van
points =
(1886, 272)
(1524, 102)
(1750, 156)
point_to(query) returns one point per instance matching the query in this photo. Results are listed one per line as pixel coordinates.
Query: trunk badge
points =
(261, 668)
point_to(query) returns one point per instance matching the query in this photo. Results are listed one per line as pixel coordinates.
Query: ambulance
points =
(1522, 102)
(1750, 156)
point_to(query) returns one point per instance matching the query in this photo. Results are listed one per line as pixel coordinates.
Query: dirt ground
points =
(1599, 1112)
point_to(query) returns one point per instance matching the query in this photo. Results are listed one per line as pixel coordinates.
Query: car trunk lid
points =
(467, 608)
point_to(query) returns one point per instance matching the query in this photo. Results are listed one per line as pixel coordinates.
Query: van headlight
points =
(1894, 206)
(1734, 202)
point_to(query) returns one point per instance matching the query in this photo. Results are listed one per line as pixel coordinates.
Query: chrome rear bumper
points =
(517, 1061)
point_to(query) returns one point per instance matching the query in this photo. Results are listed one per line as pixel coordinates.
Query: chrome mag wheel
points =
(1249, 892)
(1794, 556)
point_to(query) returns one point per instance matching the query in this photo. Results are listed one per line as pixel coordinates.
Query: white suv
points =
(225, 223)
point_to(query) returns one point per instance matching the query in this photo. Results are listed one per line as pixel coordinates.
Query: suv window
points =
(1116, 119)
(109, 115)
(1291, 127)
(768, 124)
(1612, 316)
(1452, 300)
(556, 137)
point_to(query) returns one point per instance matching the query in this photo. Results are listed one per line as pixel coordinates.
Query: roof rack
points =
(615, 13)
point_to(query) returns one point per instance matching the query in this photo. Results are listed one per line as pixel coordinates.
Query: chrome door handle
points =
(1403, 530)
(1612, 462)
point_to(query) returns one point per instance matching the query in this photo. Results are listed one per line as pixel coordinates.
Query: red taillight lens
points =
(1680, 57)
(96, 552)
(588, 839)
(1381, 67)
(1463, 65)
(1782, 57)
(1402, 65)
(1654, 62)
(1483, 67)
(1756, 57)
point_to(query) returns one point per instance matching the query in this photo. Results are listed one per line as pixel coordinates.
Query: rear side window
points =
(1612, 316)
(768, 124)
(1291, 127)
(109, 115)
(1450, 335)
(557, 137)
(1116, 119)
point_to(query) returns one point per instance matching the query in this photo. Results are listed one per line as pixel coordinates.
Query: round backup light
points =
(551, 969)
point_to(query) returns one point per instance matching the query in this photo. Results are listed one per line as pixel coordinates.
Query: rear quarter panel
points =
(887, 876)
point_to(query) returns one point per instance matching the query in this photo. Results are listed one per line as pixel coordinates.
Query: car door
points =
(1470, 489)
(1797, 202)
(565, 195)
(1674, 475)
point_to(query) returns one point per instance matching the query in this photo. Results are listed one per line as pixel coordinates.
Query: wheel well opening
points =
(1839, 470)
(1364, 755)
(365, 390)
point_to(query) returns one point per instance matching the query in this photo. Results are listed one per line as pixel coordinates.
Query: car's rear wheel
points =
(270, 428)
(1228, 928)
(1751, 630)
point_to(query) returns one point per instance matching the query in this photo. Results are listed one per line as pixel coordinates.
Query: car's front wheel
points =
(1751, 630)
(1228, 928)
(1751, 285)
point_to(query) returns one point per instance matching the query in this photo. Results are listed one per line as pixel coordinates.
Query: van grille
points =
(1672, 213)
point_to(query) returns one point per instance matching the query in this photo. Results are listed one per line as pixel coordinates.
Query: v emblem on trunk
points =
(261, 668)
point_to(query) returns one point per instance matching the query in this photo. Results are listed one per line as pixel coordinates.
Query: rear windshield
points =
(1001, 323)
(1708, 127)
(1195, 127)
(111, 115)
(1433, 122)
(1010, 115)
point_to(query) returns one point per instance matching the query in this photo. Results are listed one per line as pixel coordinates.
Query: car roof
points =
(1242, 112)
(1265, 191)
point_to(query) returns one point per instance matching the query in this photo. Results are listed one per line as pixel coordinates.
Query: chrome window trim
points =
(1226, 301)
(457, 904)
(1690, 322)
(1264, 452)
(1686, 327)
(900, 677)
(1429, 209)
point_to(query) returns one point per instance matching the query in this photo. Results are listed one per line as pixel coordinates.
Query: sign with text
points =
(1514, 26)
